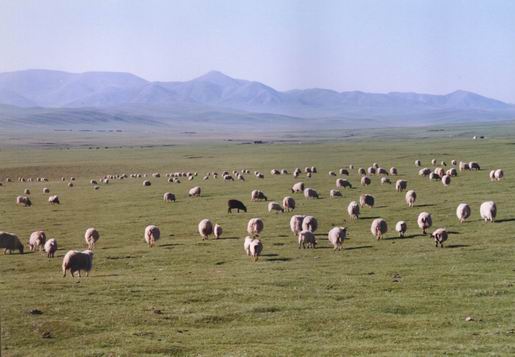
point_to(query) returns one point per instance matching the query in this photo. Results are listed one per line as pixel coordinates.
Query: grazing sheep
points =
(46, 190)
(205, 228)
(453, 162)
(351, 167)
(488, 211)
(76, 261)
(217, 231)
(434, 176)
(37, 240)
(433, 162)
(54, 200)
(411, 197)
(417, 163)
(401, 185)
(257, 195)
(464, 166)
(146, 183)
(382, 171)
(298, 187)
(307, 238)
(452, 172)
(288, 203)
(332, 173)
(353, 210)
(194, 192)
(439, 171)
(424, 172)
(310, 193)
(284, 172)
(385, 180)
(256, 247)
(499, 174)
(336, 236)
(10, 242)
(275, 206)
(343, 183)
(446, 180)
(366, 200)
(393, 171)
(91, 237)
(361, 171)
(23, 201)
(308, 175)
(225, 177)
(424, 221)
(378, 228)
(237, 205)
(401, 227)
(344, 172)
(371, 170)
(26, 191)
(296, 224)
(335, 193)
(70, 184)
(255, 226)
(492, 175)
(365, 181)
(439, 235)
(309, 223)
(168, 197)
(152, 235)
(463, 212)
(474, 166)
(246, 244)
(50, 248)
(94, 182)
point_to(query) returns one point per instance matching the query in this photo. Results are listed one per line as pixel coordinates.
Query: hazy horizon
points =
(433, 47)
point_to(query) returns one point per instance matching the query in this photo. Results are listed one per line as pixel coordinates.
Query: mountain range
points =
(45, 98)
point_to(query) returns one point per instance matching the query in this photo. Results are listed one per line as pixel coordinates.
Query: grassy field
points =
(193, 297)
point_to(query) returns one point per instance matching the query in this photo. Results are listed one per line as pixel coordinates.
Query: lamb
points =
(91, 237)
(50, 247)
(54, 200)
(424, 221)
(237, 205)
(401, 185)
(256, 247)
(336, 236)
(296, 224)
(335, 193)
(401, 227)
(23, 201)
(205, 228)
(343, 183)
(10, 242)
(365, 181)
(366, 200)
(298, 187)
(76, 261)
(378, 228)
(411, 197)
(246, 244)
(257, 195)
(194, 191)
(288, 203)
(463, 212)
(440, 235)
(353, 210)
(152, 235)
(217, 231)
(446, 180)
(309, 223)
(488, 211)
(37, 240)
(255, 226)
(168, 197)
(275, 206)
(310, 193)
(307, 238)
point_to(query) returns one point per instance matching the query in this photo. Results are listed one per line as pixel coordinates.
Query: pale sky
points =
(434, 46)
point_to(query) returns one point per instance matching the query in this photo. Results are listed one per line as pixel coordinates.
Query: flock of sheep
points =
(303, 227)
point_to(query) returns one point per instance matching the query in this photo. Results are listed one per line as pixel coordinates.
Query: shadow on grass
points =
(223, 238)
(279, 259)
(454, 232)
(359, 247)
(456, 246)
(371, 217)
(505, 220)
(169, 245)
(411, 236)
(270, 255)
(426, 205)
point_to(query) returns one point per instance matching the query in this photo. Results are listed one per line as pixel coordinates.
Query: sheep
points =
(401, 185)
(361, 171)
(411, 197)
(313, 170)
(366, 200)
(464, 166)
(10, 242)
(70, 184)
(307, 238)
(235, 204)
(54, 200)
(335, 193)
(401, 227)
(439, 235)
(424, 172)
(91, 237)
(226, 178)
(424, 221)
(332, 173)
(37, 240)
(434, 176)
(46, 190)
(446, 180)
(76, 261)
(309, 223)
(296, 172)
(439, 171)
(378, 228)
(492, 175)
(371, 170)
(385, 180)
(351, 167)
(343, 183)
(474, 166)
(298, 187)
(256, 247)
(417, 163)
(194, 191)
(205, 228)
(50, 248)
(246, 244)
(433, 162)
(344, 172)
(296, 224)
(453, 162)
(393, 171)
(217, 231)
(26, 191)
(275, 206)
(488, 211)
(382, 171)
(308, 175)
(259, 175)
(499, 174)
(257, 195)
(452, 172)
(336, 236)
(94, 182)
(255, 226)
(463, 212)
(284, 172)
(147, 183)
(353, 210)
(310, 193)
(168, 197)
(23, 201)
(365, 181)
(288, 203)
(152, 235)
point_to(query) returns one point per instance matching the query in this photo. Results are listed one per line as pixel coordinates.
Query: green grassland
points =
(193, 297)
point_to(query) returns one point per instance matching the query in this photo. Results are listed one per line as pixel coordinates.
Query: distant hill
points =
(44, 97)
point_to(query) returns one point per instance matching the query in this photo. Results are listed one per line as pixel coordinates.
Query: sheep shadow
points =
(457, 246)
(223, 238)
(169, 245)
(505, 220)
(426, 205)
(278, 259)
(270, 255)
(359, 247)
(370, 217)
(453, 232)
(411, 236)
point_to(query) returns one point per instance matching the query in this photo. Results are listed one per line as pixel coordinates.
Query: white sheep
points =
(75, 261)
(365, 181)
(353, 210)
(401, 227)
(488, 211)
(256, 247)
(168, 197)
(91, 237)
(335, 193)
(205, 228)
(152, 235)
(440, 235)
(336, 236)
(411, 197)
(297, 187)
(194, 191)
(307, 238)
(463, 212)
(401, 185)
(366, 200)
(446, 180)
(310, 193)
(255, 226)
(288, 203)
(50, 247)
(378, 228)
(309, 223)
(424, 221)
(217, 231)
(343, 183)
(37, 240)
(296, 224)
(275, 206)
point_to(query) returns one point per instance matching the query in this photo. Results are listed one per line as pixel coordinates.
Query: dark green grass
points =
(188, 297)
